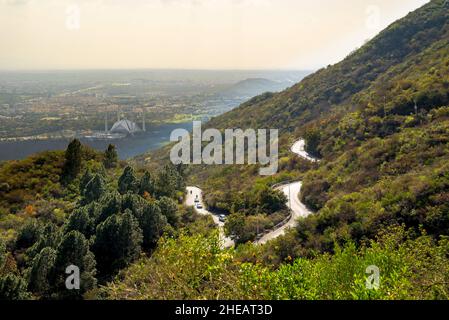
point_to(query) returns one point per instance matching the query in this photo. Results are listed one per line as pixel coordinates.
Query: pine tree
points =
(168, 182)
(80, 220)
(85, 179)
(169, 209)
(134, 203)
(49, 237)
(111, 204)
(147, 184)
(128, 181)
(94, 190)
(29, 234)
(74, 250)
(110, 157)
(72, 164)
(13, 287)
(152, 223)
(41, 272)
(117, 242)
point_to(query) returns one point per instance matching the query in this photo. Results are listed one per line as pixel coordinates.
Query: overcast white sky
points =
(192, 34)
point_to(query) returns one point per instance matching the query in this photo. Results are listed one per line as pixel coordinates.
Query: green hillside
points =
(379, 120)
(334, 86)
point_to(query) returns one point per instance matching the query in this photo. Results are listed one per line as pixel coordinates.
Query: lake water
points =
(155, 137)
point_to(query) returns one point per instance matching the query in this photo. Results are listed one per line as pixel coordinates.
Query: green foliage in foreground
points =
(194, 267)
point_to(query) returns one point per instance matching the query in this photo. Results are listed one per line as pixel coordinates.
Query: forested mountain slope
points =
(379, 120)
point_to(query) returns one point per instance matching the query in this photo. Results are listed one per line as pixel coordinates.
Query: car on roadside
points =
(199, 206)
(222, 218)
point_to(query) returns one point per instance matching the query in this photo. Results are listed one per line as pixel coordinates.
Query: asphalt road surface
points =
(291, 191)
(298, 148)
(196, 193)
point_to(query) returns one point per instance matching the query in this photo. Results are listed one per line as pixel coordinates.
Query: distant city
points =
(50, 108)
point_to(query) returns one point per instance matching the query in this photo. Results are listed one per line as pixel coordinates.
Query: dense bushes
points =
(104, 231)
(409, 269)
(400, 179)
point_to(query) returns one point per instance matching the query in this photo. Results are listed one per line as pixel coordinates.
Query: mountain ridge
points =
(332, 86)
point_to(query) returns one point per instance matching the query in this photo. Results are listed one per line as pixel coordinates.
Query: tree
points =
(111, 204)
(72, 164)
(28, 234)
(149, 216)
(80, 220)
(134, 203)
(169, 209)
(147, 184)
(94, 189)
(117, 242)
(168, 182)
(272, 200)
(128, 181)
(40, 273)
(235, 226)
(85, 179)
(49, 237)
(13, 287)
(152, 223)
(312, 138)
(110, 157)
(74, 250)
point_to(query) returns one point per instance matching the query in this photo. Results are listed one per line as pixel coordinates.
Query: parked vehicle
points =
(222, 218)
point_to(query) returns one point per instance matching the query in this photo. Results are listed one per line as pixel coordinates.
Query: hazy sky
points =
(192, 34)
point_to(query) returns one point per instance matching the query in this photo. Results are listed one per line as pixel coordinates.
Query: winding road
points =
(298, 148)
(291, 191)
(196, 193)
(298, 209)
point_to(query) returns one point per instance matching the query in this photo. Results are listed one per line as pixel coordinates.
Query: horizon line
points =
(43, 70)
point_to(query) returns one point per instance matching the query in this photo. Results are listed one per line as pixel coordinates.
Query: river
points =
(155, 137)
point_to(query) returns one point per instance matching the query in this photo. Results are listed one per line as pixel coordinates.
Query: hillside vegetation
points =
(380, 122)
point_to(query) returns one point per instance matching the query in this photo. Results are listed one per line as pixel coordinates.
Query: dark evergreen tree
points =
(28, 234)
(152, 223)
(134, 203)
(110, 157)
(168, 182)
(49, 237)
(147, 184)
(80, 220)
(41, 271)
(169, 209)
(13, 287)
(94, 190)
(73, 158)
(149, 217)
(128, 181)
(85, 179)
(117, 242)
(111, 204)
(74, 250)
